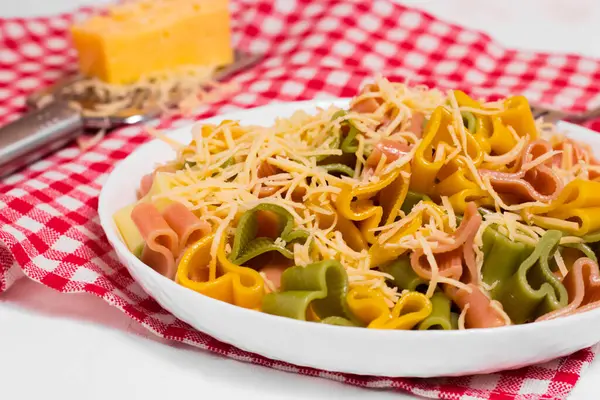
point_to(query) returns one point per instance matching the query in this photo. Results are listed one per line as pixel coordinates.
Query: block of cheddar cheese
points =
(147, 37)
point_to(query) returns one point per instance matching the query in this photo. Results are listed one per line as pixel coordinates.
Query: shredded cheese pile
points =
(219, 176)
(180, 91)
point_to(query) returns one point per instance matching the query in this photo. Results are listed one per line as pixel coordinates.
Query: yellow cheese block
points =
(149, 37)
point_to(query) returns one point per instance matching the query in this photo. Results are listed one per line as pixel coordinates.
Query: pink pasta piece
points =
(188, 227)
(481, 312)
(450, 264)
(273, 274)
(416, 124)
(583, 286)
(273, 269)
(267, 224)
(161, 240)
(536, 149)
(451, 256)
(148, 179)
(392, 150)
(145, 185)
(368, 105)
(265, 170)
(539, 183)
(580, 152)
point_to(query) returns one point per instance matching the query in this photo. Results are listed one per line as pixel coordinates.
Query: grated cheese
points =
(435, 270)
(555, 222)
(508, 157)
(270, 286)
(450, 211)
(181, 90)
(540, 160)
(296, 147)
(495, 304)
(458, 121)
(462, 316)
(218, 238)
(560, 263)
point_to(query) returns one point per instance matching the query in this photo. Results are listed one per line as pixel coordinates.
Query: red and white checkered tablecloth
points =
(322, 48)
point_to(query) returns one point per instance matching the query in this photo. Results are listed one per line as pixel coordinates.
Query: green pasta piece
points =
(454, 320)
(469, 121)
(584, 248)
(405, 277)
(292, 304)
(347, 158)
(440, 317)
(247, 246)
(349, 143)
(412, 199)
(593, 237)
(339, 321)
(322, 285)
(534, 290)
(338, 168)
(502, 258)
(593, 240)
(259, 246)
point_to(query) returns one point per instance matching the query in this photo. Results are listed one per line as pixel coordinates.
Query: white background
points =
(73, 347)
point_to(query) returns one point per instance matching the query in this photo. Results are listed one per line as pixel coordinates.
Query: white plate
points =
(351, 350)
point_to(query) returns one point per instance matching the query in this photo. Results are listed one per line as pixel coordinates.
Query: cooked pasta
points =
(411, 209)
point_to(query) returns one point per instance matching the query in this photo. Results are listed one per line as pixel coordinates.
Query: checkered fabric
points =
(48, 220)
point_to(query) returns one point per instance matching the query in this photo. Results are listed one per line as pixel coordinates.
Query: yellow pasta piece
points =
(517, 113)
(363, 209)
(587, 220)
(129, 232)
(435, 147)
(578, 193)
(501, 139)
(380, 255)
(369, 306)
(492, 132)
(234, 284)
(460, 199)
(350, 233)
(426, 165)
(576, 210)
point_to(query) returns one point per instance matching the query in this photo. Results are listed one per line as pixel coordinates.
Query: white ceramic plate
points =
(351, 350)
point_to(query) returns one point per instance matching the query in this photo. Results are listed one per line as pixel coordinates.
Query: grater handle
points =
(38, 133)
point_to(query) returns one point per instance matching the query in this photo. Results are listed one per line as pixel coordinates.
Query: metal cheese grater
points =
(52, 124)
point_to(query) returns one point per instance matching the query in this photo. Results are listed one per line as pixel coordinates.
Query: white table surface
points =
(51, 347)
